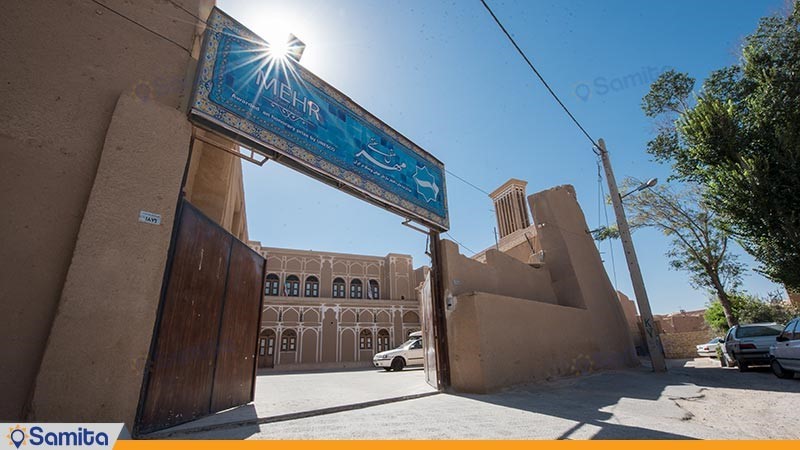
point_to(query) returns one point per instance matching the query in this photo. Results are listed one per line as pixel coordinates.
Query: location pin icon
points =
(583, 91)
(17, 437)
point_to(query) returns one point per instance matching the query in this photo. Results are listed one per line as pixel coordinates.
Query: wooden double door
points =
(203, 356)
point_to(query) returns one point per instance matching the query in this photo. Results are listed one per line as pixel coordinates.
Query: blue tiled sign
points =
(284, 107)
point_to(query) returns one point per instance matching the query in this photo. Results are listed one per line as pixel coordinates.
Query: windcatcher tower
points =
(509, 205)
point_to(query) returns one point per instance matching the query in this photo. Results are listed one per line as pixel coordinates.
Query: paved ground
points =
(696, 399)
(294, 394)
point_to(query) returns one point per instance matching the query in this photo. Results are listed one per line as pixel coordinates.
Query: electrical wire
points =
(467, 182)
(179, 6)
(541, 78)
(459, 243)
(142, 26)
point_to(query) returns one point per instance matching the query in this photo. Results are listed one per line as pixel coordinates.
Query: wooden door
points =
(202, 358)
(266, 349)
(236, 350)
(428, 336)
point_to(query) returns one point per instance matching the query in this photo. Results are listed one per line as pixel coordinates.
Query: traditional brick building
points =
(324, 309)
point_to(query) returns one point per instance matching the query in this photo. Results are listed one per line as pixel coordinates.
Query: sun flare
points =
(278, 49)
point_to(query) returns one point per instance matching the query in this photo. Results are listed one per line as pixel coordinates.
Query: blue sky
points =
(443, 74)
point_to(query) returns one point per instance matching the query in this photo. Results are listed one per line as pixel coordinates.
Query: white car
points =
(785, 353)
(709, 349)
(408, 354)
(748, 345)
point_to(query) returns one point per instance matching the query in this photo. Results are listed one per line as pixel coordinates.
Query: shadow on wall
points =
(510, 323)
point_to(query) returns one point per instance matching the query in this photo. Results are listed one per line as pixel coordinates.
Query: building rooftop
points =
(257, 245)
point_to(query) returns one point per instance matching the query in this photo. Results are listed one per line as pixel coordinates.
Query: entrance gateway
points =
(206, 343)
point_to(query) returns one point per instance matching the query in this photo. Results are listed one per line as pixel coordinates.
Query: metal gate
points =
(203, 356)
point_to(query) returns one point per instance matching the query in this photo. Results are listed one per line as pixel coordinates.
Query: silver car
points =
(785, 352)
(748, 345)
(709, 349)
(408, 354)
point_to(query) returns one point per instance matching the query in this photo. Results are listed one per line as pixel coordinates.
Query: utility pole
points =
(653, 345)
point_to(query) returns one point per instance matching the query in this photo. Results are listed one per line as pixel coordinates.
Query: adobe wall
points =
(679, 333)
(501, 274)
(683, 344)
(510, 323)
(65, 66)
(680, 323)
(634, 322)
(214, 183)
(94, 361)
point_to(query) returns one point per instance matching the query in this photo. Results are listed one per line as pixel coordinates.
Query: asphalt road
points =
(695, 400)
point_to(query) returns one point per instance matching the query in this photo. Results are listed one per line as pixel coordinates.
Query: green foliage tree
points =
(749, 308)
(699, 247)
(740, 139)
(715, 316)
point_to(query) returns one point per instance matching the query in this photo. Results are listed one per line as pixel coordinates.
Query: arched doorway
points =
(266, 349)
(383, 341)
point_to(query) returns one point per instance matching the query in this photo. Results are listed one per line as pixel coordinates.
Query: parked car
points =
(709, 349)
(748, 345)
(785, 352)
(408, 354)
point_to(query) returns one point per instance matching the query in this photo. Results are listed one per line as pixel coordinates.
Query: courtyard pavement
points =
(696, 399)
(289, 395)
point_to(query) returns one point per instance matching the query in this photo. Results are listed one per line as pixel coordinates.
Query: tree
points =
(699, 246)
(715, 316)
(751, 309)
(740, 139)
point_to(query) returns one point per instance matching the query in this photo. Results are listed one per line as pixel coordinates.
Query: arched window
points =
(365, 340)
(383, 340)
(312, 287)
(374, 291)
(338, 288)
(273, 285)
(288, 341)
(356, 289)
(292, 287)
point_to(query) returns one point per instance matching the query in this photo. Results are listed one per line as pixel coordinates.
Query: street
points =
(695, 400)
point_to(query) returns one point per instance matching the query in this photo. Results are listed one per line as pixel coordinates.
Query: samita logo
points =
(56, 435)
(17, 436)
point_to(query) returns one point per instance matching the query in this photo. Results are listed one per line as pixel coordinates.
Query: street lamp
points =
(650, 183)
(650, 333)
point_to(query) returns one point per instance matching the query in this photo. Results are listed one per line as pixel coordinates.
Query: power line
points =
(541, 78)
(459, 243)
(142, 26)
(179, 6)
(466, 182)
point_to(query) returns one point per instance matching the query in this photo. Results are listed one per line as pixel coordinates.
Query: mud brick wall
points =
(682, 345)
